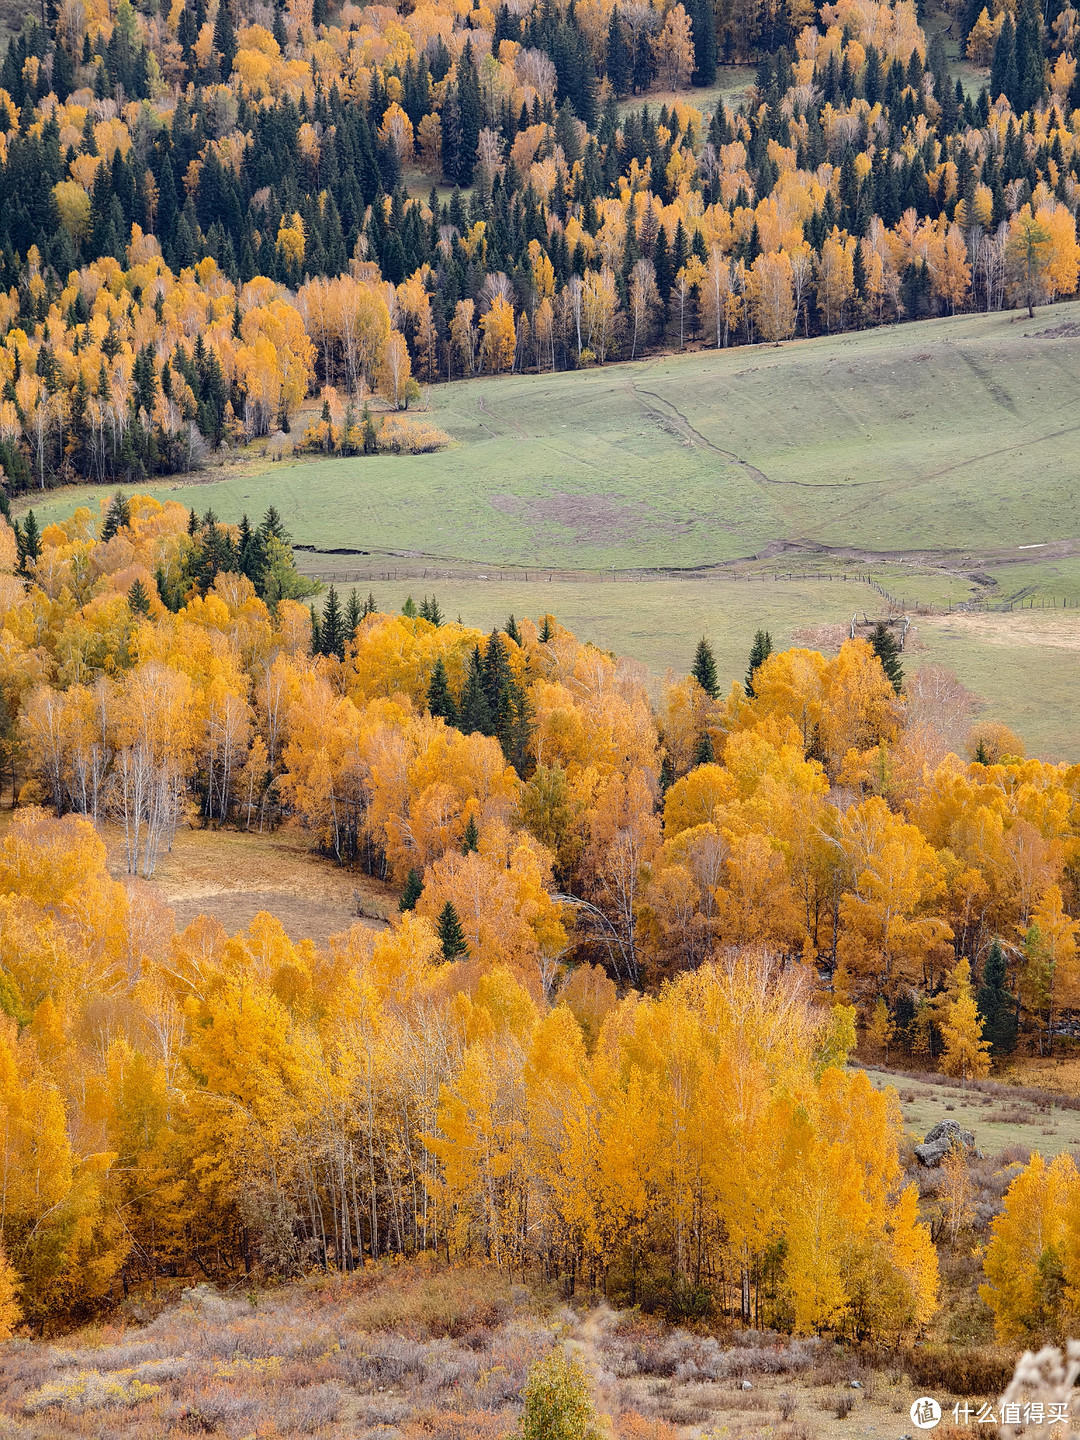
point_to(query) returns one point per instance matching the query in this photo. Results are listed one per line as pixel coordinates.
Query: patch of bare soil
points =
(1055, 630)
(232, 876)
(594, 518)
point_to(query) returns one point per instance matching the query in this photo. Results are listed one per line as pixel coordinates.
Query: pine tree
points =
(414, 888)
(353, 613)
(272, 524)
(27, 542)
(996, 1006)
(546, 631)
(225, 37)
(470, 840)
(138, 599)
(370, 608)
(703, 751)
(759, 653)
(440, 700)
(496, 675)
(332, 628)
(512, 630)
(515, 728)
(1030, 81)
(704, 669)
(474, 713)
(888, 652)
(316, 637)
(451, 936)
(430, 610)
(1003, 76)
(619, 62)
(117, 516)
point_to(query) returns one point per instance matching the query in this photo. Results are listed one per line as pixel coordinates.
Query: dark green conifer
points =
(759, 653)
(27, 541)
(138, 599)
(451, 936)
(474, 713)
(887, 649)
(703, 751)
(117, 516)
(332, 628)
(513, 631)
(996, 1006)
(470, 840)
(704, 669)
(414, 888)
(353, 613)
(316, 637)
(440, 700)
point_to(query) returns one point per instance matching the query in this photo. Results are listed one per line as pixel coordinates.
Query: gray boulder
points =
(940, 1140)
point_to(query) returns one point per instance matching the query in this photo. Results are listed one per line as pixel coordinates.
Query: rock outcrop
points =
(940, 1140)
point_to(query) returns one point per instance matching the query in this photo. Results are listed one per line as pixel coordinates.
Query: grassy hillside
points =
(930, 454)
(954, 435)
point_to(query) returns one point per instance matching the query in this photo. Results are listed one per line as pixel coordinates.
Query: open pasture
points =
(943, 440)
(941, 457)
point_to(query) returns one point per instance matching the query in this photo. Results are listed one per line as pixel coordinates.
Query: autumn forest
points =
(629, 1056)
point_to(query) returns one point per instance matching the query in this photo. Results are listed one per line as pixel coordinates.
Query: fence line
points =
(432, 574)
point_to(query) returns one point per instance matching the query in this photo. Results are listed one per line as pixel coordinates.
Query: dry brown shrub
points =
(964, 1372)
(632, 1425)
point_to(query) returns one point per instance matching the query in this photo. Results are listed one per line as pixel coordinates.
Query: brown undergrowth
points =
(423, 1351)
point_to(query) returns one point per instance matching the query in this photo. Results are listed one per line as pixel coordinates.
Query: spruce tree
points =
(759, 653)
(474, 713)
(888, 652)
(703, 669)
(451, 936)
(316, 637)
(225, 38)
(430, 610)
(470, 840)
(138, 599)
(370, 608)
(496, 675)
(27, 541)
(414, 888)
(546, 631)
(272, 524)
(353, 613)
(619, 60)
(996, 1006)
(1003, 76)
(703, 751)
(515, 728)
(1030, 81)
(512, 630)
(667, 775)
(332, 629)
(116, 517)
(440, 700)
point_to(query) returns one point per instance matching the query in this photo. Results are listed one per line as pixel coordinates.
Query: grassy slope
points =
(956, 433)
(948, 435)
(998, 1123)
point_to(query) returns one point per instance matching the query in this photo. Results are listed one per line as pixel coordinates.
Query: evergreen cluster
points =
(492, 701)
